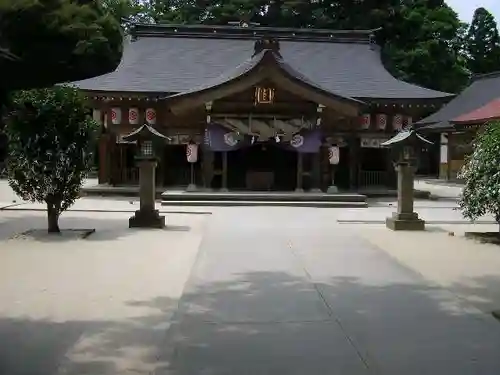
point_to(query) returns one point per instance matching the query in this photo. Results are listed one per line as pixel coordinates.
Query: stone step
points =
(262, 197)
(233, 203)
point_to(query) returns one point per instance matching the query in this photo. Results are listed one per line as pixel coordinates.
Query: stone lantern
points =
(405, 147)
(146, 138)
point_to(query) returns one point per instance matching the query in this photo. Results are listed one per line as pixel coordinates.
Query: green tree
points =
(127, 12)
(481, 172)
(421, 39)
(423, 45)
(483, 43)
(43, 42)
(51, 137)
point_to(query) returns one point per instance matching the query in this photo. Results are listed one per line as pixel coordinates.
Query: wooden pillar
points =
(316, 171)
(448, 156)
(160, 169)
(104, 172)
(300, 173)
(354, 161)
(392, 178)
(224, 171)
(207, 168)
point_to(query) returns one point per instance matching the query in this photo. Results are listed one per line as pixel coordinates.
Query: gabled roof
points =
(488, 112)
(266, 65)
(145, 131)
(172, 59)
(482, 90)
(404, 137)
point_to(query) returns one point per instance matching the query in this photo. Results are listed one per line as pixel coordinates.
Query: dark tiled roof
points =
(482, 90)
(252, 64)
(488, 112)
(164, 61)
(439, 126)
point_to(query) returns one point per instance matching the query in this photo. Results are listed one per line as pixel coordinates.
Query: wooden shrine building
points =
(458, 121)
(263, 104)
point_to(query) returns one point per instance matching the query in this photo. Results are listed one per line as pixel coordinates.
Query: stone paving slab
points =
(380, 314)
(287, 348)
(401, 321)
(242, 291)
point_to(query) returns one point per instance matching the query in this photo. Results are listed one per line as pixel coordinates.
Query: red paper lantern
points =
(192, 152)
(397, 122)
(116, 115)
(334, 155)
(133, 116)
(151, 116)
(365, 121)
(381, 121)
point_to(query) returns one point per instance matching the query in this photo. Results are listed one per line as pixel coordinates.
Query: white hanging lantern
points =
(334, 155)
(116, 115)
(381, 121)
(365, 121)
(192, 152)
(96, 115)
(397, 122)
(151, 116)
(133, 116)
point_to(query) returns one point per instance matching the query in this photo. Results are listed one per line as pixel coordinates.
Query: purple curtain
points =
(307, 141)
(218, 138)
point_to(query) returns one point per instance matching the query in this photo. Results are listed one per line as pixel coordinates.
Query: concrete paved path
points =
(243, 291)
(273, 292)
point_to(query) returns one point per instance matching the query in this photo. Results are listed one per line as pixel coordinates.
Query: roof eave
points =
(267, 66)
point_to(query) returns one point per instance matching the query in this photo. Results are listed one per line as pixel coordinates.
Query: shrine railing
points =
(372, 178)
(130, 176)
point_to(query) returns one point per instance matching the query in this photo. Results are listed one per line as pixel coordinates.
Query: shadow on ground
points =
(107, 226)
(260, 323)
(483, 292)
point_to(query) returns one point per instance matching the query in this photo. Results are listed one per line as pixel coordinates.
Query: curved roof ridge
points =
(476, 77)
(145, 29)
(225, 77)
(298, 75)
(378, 52)
(250, 64)
(168, 65)
(474, 96)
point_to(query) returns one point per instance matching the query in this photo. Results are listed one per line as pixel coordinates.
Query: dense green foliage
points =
(127, 12)
(51, 138)
(483, 43)
(44, 42)
(481, 172)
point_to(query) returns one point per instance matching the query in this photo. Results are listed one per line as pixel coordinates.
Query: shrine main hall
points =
(254, 108)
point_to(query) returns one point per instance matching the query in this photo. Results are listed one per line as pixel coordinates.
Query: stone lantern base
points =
(400, 221)
(147, 219)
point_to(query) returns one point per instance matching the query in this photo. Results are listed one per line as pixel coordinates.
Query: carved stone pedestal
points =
(147, 216)
(332, 189)
(405, 218)
(400, 221)
(147, 219)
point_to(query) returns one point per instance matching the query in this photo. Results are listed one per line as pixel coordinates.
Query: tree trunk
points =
(52, 218)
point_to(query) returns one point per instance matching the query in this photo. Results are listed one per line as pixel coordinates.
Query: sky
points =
(466, 8)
